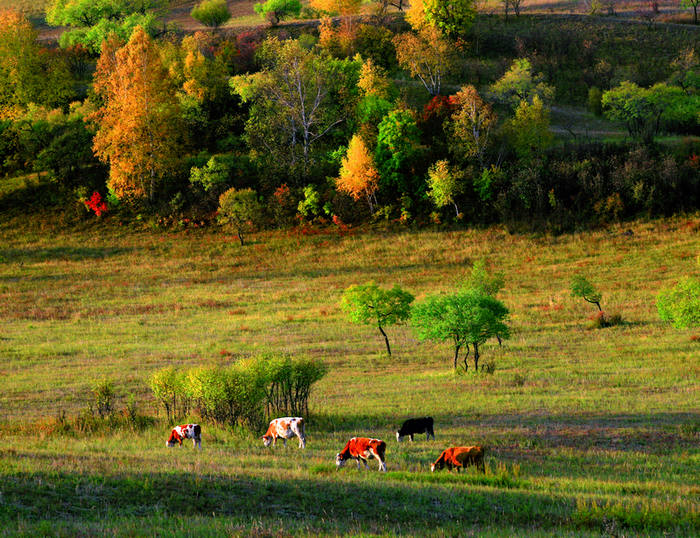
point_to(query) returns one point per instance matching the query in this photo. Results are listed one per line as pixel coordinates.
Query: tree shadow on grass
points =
(35, 255)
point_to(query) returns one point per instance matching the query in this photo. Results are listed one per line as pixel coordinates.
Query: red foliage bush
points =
(97, 204)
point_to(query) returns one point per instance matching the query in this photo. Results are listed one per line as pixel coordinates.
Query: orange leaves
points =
(358, 175)
(137, 133)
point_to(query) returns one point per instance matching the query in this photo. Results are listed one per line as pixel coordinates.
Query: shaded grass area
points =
(587, 431)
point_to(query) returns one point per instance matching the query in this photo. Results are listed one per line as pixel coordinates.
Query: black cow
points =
(416, 425)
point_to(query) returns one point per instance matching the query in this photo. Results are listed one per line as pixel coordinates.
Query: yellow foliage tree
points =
(340, 7)
(472, 123)
(373, 80)
(358, 175)
(138, 131)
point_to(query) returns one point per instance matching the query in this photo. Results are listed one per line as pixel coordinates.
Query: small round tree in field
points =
(680, 305)
(580, 287)
(241, 209)
(468, 317)
(368, 304)
(277, 10)
(212, 13)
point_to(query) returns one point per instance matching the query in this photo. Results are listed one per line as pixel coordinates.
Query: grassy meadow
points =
(588, 431)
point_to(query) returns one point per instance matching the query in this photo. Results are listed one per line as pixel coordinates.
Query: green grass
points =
(588, 431)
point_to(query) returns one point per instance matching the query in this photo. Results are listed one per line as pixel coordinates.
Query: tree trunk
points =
(240, 236)
(386, 340)
(456, 209)
(476, 357)
(457, 346)
(466, 357)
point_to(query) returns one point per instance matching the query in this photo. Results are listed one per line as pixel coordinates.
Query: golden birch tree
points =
(138, 134)
(358, 176)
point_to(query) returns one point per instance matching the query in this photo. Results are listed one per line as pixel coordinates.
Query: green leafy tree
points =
(240, 209)
(581, 287)
(444, 185)
(90, 22)
(481, 279)
(397, 152)
(468, 317)
(680, 305)
(528, 130)
(213, 176)
(452, 17)
(28, 73)
(644, 111)
(212, 13)
(519, 83)
(297, 99)
(368, 304)
(278, 10)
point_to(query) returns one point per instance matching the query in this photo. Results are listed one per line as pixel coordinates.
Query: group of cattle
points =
(360, 449)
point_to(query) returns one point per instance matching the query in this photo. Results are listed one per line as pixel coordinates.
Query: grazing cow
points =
(286, 428)
(416, 425)
(186, 431)
(362, 449)
(460, 456)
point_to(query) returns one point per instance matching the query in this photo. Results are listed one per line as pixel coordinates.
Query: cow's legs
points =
(358, 464)
(411, 436)
(284, 441)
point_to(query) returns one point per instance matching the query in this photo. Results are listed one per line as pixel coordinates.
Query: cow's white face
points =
(267, 441)
(432, 467)
(398, 437)
(339, 461)
(170, 444)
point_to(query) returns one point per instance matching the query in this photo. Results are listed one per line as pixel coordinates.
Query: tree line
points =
(347, 123)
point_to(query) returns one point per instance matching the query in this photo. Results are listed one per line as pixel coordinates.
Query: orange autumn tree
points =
(138, 123)
(358, 175)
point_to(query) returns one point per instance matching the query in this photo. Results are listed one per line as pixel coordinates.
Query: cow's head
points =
(432, 467)
(173, 439)
(267, 440)
(339, 461)
(398, 437)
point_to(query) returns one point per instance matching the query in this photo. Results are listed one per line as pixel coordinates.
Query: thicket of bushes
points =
(246, 393)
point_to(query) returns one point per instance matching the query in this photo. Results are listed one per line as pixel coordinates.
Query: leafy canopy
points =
(444, 184)
(91, 22)
(466, 317)
(452, 18)
(212, 13)
(680, 305)
(358, 175)
(241, 209)
(528, 131)
(519, 84)
(581, 287)
(278, 10)
(368, 304)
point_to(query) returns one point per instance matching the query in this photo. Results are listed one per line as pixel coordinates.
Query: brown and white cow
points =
(285, 428)
(186, 431)
(460, 456)
(362, 449)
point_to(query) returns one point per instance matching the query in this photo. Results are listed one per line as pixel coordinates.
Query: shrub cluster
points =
(245, 393)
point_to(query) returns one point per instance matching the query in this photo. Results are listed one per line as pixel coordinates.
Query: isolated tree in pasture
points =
(581, 287)
(368, 304)
(694, 4)
(358, 176)
(472, 124)
(452, 18)
(90, 22)
(240, 209)
(528, 131)
(138, 124)
(291, 103)
(467, 317)
(519, 83)
(276, 11)
(444, 185)
(680, 305)
(29, 74)
(211, 13)
(427, 56)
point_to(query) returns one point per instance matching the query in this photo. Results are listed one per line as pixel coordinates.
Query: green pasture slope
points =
(588, 431)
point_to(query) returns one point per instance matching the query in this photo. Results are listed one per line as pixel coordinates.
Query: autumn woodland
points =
(356, 212)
